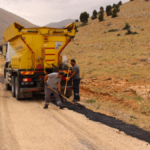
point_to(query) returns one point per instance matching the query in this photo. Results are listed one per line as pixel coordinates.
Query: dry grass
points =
(106, 54)
(122, 112)
(102, 54)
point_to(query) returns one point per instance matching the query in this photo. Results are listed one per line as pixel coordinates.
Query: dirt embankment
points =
(118, 91)
(119, 62)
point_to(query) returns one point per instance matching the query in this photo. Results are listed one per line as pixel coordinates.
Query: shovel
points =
(66, 82)
(76, 104)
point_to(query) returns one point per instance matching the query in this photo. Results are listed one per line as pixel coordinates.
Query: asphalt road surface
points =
(25, 125)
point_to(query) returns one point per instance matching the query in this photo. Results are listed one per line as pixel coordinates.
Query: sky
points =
(42, 12)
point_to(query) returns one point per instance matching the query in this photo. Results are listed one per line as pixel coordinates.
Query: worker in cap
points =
(76, 80)
(53, 81)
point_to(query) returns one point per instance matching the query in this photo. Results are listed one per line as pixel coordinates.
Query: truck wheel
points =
(17, 91)
(8, 87)
(13, 86)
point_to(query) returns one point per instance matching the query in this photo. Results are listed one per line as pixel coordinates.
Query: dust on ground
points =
(71, 128)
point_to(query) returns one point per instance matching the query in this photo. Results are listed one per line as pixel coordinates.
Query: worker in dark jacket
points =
(53, 81)
(76, 80)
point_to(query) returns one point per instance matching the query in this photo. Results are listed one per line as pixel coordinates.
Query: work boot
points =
(45, 106)
(62, 106)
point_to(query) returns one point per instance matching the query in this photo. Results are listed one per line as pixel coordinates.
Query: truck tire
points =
(17, 89)
(6, 64)
(8, 87)
(13, 86)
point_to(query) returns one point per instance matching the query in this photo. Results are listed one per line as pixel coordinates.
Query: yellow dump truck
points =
(32, 53)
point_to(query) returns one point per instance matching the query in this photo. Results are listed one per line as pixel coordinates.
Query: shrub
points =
(108, 10)
(84, 17)
(134, 33)
(92, 101)
(77, 20)
(76, 28)
(113, 30)
(127, 27)
(129, 32)
(142, 29)
(82, 24)
(118, 34)
(92, 17)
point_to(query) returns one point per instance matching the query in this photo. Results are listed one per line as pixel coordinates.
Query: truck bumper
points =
(31, 89)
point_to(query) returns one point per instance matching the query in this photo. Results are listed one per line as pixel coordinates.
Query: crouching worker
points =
(53, 81)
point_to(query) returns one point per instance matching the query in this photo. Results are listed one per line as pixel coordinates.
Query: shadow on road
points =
(111, 122)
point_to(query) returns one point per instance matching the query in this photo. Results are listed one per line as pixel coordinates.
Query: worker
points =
(76, 80)
(53, 81)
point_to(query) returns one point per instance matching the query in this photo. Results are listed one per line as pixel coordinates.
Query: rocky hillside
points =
(112, 62)
(99, 51)
(7, 18)
(60, 24)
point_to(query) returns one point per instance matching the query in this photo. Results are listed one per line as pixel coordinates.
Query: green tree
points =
(120, 3)
(95, 13)
(101, 9)
(117, 7)
(84, 17)
(114, 14)
(77, 20)
(114, 5)
(76, 28)
(108, 10)
(101, 16)
(94, 16)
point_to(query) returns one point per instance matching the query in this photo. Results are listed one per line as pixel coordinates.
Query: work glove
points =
(67, 79)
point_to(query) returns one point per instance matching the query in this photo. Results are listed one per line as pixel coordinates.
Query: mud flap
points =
(25, 94)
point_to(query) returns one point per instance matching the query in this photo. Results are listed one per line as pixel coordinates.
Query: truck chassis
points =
(24, 83)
